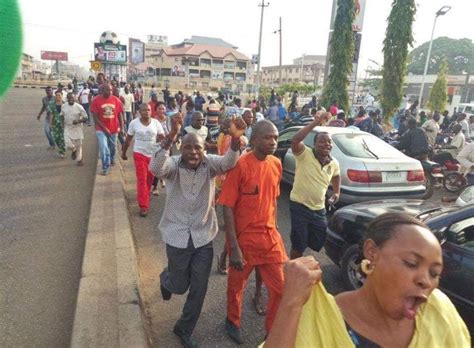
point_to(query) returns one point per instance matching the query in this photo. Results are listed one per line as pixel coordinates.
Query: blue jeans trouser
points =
(47, 131)
(86, 107)
(107, 146)
(128, 119)
(308, 227)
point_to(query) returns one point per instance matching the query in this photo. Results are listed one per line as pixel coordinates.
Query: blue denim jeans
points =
(86, 107)
(107, 146)
(47, 131)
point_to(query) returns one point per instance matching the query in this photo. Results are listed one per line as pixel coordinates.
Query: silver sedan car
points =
(370, 168)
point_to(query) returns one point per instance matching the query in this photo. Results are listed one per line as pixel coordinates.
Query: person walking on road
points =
(107, 112)
(128, 105)
(315, 171)
(85, 97)
(147, 131)
(189, 223)
(249, 197)
(47, 119)
(74, 116)
(57, 123)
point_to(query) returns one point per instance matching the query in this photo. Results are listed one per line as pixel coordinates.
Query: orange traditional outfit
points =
(251, 189)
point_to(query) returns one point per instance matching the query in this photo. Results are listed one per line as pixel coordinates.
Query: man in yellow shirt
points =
(315, 171)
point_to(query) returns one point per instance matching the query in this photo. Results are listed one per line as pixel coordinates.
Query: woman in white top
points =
(147, 132)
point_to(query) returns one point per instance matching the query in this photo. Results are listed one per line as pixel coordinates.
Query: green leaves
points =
(397, 39)
(341, 55)
(459, 53)
(439, 92)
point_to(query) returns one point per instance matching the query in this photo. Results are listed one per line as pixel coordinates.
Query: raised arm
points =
(161, 164)
(300, 277)
(297, 145)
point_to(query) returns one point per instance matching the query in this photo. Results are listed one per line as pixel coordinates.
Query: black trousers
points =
(188, 269)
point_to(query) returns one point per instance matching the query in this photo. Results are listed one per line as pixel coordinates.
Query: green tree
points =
(395, 51)
(439, 92)
(459, 54)
(303, 88)
(340, 56)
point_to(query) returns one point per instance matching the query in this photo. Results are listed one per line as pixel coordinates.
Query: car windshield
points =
(364, 146)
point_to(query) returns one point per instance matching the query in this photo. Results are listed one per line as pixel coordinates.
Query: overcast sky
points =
(73, 27)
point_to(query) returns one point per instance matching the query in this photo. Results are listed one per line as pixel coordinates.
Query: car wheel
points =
(352, 276)
(429, 184)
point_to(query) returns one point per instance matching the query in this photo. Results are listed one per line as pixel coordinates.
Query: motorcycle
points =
(432, 171)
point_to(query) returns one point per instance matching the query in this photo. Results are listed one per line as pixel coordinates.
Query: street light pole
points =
(262, 5)
(441, 12)
(302, 66)
(280, 67)
(279, 73)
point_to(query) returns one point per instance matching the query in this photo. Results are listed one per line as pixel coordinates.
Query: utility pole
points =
(280, 70)
(302, 67)
(262, 5)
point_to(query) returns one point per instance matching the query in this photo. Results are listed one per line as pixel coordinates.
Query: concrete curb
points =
(108, 312)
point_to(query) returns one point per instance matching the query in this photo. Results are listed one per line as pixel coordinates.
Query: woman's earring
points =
(366, 267)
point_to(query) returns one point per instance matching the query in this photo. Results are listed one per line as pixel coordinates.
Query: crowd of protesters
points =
(235, 167)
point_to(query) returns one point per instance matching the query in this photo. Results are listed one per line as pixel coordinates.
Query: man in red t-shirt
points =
(107, 111)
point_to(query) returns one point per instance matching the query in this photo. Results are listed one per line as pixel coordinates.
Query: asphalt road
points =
(44, 213)
(210, 329)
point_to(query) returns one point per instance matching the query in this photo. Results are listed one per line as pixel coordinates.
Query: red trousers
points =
(144, 179)
(272, 276)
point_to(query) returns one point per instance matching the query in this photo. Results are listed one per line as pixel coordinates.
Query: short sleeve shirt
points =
(144, 136)
(312, 179)
(251, 188)
(108, 111)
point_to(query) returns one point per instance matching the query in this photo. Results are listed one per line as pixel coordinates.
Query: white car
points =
(370, 168)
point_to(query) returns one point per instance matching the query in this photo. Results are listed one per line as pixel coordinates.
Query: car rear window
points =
(364, 146)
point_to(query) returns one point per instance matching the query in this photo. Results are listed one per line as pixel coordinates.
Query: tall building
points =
(307, 69)
(201, 63)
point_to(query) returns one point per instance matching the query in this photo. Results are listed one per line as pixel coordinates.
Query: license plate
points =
(394, 176)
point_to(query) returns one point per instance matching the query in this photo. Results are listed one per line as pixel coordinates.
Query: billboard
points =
(110, 53)
(51, 55)
(137, 51)
(158, 39)
(178, 70)
(359, 14)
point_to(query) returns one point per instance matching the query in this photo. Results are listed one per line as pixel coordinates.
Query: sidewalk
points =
(162, 315)
(108, 312)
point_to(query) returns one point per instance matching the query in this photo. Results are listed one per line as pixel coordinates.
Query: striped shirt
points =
(190, 206)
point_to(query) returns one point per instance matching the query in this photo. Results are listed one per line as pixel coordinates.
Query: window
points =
(242, 65)
(157, 71)
(205, 62)
(218, 63)
(192, 83)
(205, 74)
(205, 84)
(229, 64)
(193, 73)
(286, 136)
(228, 75)
(240, 76)
(364, 146)
(165, 72)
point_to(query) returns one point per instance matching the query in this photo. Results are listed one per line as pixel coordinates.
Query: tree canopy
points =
(340, 56)
(398, 37)
(439, 92)
(459, 53)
